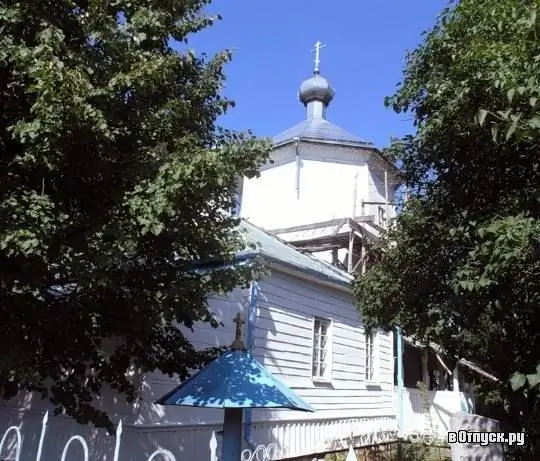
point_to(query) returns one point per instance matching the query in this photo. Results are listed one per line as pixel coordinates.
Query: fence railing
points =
(385, 440)
(83, 444)
(259, 453)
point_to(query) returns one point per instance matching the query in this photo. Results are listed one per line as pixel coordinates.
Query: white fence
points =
(259, 453)
(441, 405)
(15, 430)
(13, 442)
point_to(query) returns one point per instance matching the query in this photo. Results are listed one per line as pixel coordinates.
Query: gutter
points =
(282, 266)
(399, 339)
(250, 343)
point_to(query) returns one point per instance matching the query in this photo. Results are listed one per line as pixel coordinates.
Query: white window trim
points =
(327, 378)
(384, 221)
(376, 377)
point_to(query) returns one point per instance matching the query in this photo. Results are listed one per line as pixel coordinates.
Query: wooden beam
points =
(339, 240)
(378, 203)
(338, 227)
(331, 222)
(316, 248)
(362, 231)
(355, 226)
(376, 226)
(360, 261)
(334, 256)
(350, 256)
(441, 361)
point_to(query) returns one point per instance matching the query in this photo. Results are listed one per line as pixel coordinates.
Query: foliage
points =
(463, 269)
(114, 178)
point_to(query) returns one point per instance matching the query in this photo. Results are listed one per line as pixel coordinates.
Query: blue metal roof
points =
(234, 380)
(275, 249)
(319, 129)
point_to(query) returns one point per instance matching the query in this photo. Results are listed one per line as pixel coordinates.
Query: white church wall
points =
(376, 193)
(325, 190)
(284, 341)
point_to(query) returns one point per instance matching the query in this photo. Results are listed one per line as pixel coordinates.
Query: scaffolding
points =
(349, 243)
(355, 237)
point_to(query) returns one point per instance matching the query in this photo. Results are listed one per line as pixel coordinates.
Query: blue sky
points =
(366, 45)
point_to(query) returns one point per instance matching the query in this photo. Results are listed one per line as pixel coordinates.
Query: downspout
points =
(399, 339)
(250, 340)
(297, 150)
(386, 208)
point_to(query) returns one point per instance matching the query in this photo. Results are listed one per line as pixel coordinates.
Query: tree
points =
(114, 178)
(461, 268)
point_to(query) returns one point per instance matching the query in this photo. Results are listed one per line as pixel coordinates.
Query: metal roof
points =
(234, 380)
(275, 249)
(320, 129)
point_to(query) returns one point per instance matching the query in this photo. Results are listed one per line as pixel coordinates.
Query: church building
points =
(313, 216)
(326, 190)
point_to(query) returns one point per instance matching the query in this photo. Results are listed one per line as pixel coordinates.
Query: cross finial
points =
(318, 47)
(238, 343)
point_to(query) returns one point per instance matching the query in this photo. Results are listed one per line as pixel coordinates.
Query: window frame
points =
(371, 344)
(317, 351)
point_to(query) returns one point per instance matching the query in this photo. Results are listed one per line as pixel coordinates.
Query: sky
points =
(366, 43)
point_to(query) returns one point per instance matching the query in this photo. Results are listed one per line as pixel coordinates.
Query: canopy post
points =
(232, 434)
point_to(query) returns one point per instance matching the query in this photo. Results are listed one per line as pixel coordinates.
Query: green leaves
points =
(464, 267)
(519, 381)
(482, 113)
(110, 185)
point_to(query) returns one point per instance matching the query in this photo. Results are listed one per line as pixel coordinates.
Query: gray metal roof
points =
(277, 250)
(319, 129)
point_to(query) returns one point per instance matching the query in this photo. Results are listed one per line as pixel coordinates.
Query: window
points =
(382, 217)
(370, 356)
(321, 349)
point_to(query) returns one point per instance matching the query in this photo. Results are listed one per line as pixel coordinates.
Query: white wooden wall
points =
(283, 342)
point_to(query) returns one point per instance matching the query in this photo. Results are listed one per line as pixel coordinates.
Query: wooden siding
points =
(283, 343)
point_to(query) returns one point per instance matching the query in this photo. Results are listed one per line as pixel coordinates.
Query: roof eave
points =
(285, 266)
(363, 145)
(310, 275)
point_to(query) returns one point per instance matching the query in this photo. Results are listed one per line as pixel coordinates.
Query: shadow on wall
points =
(285, 315)
(155, 385)
(437, 405)
(56, 434)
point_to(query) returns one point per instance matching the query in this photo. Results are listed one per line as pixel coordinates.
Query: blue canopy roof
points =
(234, 380)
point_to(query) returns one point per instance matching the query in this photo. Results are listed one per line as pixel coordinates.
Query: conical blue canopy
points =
(234, 380)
